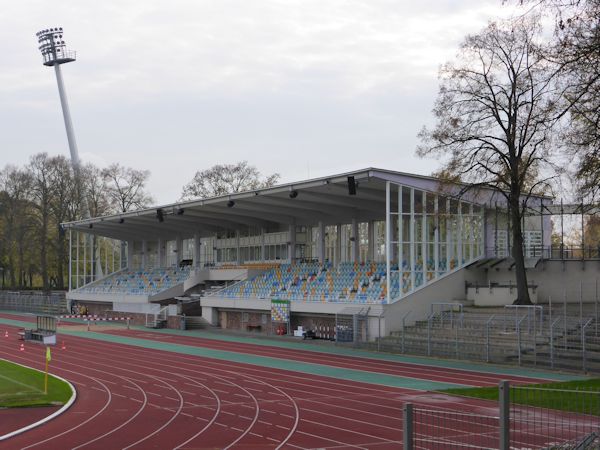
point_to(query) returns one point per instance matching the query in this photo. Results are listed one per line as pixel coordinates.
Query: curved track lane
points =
(138, 398)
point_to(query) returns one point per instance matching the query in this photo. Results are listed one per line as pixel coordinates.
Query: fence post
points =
(580, 301)
(408, 437)
(429, 336)
(519, 340)
(565, 318)
(456, 342)
(504, 415)
(596, 305)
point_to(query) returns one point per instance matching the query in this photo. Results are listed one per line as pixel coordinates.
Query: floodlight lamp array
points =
(53, 47)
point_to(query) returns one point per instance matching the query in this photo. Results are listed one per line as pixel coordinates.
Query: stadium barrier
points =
(528, 417)
(37, 303)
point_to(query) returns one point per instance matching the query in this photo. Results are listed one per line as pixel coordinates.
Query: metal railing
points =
(556, 251)
(520, 336)
(33, 303)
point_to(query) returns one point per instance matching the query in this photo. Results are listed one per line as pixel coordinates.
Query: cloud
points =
(176, 86)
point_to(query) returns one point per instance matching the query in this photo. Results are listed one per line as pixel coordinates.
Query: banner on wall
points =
(280, 311)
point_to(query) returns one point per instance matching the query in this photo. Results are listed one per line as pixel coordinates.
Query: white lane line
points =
(211, 421)
(187, 392)
(331, 440)
(108, 400)
(166, 424)
(124, 423)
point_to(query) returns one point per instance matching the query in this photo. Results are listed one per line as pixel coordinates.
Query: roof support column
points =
(291, 242)
(130, 254)
(388, 247)
(338, 244)
(160, 253)
(371, 240)
(144, 250)
(321, 243)
(238, 256)
(196, 250)
(354, 240)
(262, 245)
(178, 250)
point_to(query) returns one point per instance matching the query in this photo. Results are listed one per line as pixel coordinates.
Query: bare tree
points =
(63, 204)
(15, 185)
(224, 179)
(495, 113)
(576, 52)
(92, 183)
(41, 191)
(125, 188)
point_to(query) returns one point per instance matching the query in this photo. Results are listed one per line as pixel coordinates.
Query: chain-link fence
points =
(528, 418)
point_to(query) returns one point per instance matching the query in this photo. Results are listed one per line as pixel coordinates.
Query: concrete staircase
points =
(196, 323)
(502, 335)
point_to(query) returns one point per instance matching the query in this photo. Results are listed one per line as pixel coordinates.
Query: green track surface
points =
(21, 386)
(323, 369)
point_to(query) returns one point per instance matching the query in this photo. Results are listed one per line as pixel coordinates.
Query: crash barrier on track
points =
(528, 417)
(96, 318)
(32, 302)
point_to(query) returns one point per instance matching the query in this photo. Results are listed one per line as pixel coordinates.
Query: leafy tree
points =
(495, 113)
(223, 179)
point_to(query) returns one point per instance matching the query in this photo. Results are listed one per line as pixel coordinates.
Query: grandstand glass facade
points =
(428, 235)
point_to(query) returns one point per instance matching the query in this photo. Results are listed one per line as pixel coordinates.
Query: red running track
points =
(131, 397)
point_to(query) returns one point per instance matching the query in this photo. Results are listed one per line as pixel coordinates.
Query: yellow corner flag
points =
(48, 359)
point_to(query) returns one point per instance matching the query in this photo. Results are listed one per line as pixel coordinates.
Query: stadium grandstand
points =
(370, 246)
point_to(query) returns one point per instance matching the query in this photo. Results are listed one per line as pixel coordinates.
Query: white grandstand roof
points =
(323, 199)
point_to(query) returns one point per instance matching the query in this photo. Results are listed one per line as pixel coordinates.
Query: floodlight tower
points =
(55, 53)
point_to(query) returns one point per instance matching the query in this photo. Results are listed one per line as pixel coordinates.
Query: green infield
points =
(581, 396)
(21, 386)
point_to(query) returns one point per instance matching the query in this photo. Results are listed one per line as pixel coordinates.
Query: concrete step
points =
(196, 323)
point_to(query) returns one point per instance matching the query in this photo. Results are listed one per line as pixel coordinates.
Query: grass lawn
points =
(21, 386)
(581, 396)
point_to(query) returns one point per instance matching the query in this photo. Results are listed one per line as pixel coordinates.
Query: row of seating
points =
(139, 282)
(348, 282)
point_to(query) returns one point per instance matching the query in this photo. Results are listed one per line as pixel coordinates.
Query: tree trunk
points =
(44, 250)
(517, 253)
(60, 261)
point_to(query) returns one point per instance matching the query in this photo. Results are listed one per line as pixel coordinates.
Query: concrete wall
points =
(447, 289)
(557, 278)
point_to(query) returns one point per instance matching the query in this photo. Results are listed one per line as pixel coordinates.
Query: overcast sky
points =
(305, 88)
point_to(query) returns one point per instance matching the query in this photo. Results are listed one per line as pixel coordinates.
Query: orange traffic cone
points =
(6, 334)
(22, 347)
(63, 347)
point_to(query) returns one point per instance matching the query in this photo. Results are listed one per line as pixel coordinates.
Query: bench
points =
(253, 327)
